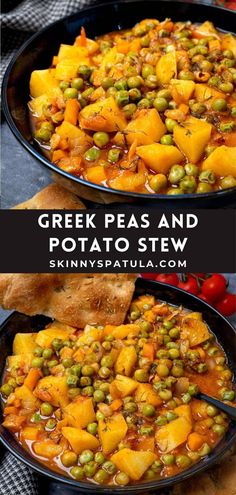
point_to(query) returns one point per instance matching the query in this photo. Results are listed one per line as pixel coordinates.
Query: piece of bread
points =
(52, 197)
(75, 299)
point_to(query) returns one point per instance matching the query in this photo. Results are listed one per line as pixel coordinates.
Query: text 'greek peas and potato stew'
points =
(150, 110)
(116, 404)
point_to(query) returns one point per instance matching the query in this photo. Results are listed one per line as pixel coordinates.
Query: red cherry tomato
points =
(168, 278)
(214, 287)
(204, 298)
(227, 305)
(190, 285)
(149, 276)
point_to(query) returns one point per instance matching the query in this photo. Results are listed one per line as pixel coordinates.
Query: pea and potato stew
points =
(116, 404)
(149, 110)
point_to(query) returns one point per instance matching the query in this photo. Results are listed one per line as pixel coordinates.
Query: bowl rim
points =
(53, 167)
(200, 466)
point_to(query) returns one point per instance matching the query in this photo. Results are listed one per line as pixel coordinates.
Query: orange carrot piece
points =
(57, 155)
(195, 441)
(10, 410)
(72, 111)
(148, 351)
(123, 46)
(32, 378)
(116, 404)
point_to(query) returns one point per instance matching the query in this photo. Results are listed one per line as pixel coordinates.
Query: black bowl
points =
(225, 335)
(37, 53)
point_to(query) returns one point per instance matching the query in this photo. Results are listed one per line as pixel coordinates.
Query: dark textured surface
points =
(21, 176)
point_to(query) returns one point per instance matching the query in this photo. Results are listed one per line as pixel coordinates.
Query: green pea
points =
(107, 361)
(84, 71)
(122, 98)
(12, 382)
(211, 411)
(112, 92)
(43, 135)
(135, 94)
(176, 174)
(92, 154)
(134, 82)
(99, 396)
(214, 81)
(86, 456)
(219, 105)
(99, 458)
(165, 394)
(74, 392)
(129, 109)
(188, 184)
(146, 430)
(87, 93)
(77, 473)
(70, 93)
(160, 103)
(57, 344)
(186, 398)
(174, 333)
(141, 376)
(161, 420)
(174, 353)
(193, 389)
(203, 187)
(228, 395)
(37, 362)
(145, 41)
(51, 423)
(218, 429)
(227, 126)
(134, 315)
(121, 84)
(104, 372)
(170, 124)
(75, 369)
(122, 478)
(38, 351)
(101, 139)
(64, 85)
(90, 469)
(101, 476)
(171, 416)
(168, 459)
(72, 381)
(186, 75)
(207, 176)
(148, 410)
(191, 169)
(167, 140)
(87, 370)
(77, 83)
(151, 81)
(146, 326)
(67, 362)
(233, 111)
(47, 353)
(198, 108)
(183, 461)
(227, 182)
(6, 389)
(109, 467)
(69, 458)
(113, 155)
(177, 371)
(144, 103)
(87, 391)
(46, 409)
(107, 82)
(226, 87)
(202, 368)
(162, 370)
(52, 363)
(147, 70)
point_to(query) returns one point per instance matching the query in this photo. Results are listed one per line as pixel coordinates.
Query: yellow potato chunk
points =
(166, 68)
(126, 360)
(185, 411)
(170, 436)
(122, 386)
(71, 51)
(111, 432)
(30, 432)
(28, 400)
(80, 413)
(195, 331)
(206, 94)
(184, 89)
(42, 81)
(19, 360)
(24, 343)
(222, 161)
(159, 157)
(122, 331)
(133, 462)
(47, 448)
(67, 68)
(145, 393)
(229, 43)
(79, 439)
(96, 174)
(192, 137)
(54, 330)
(104, 115)
(145, 128)
(53, 389)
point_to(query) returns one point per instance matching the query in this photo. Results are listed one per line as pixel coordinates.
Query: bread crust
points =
(75, 299)
(52, 197)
